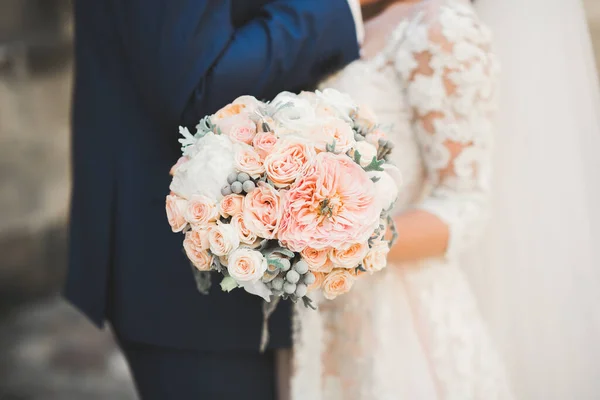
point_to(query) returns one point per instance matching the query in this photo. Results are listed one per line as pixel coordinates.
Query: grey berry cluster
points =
(238, 183)
(296, 280)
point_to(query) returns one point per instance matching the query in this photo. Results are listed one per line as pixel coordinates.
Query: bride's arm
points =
(449, 72)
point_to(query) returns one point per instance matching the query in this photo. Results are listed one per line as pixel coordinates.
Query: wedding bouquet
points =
(285, 198)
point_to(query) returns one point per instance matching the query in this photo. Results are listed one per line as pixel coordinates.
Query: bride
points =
(414, 331)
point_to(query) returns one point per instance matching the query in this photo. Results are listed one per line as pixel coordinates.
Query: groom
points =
(143, 67)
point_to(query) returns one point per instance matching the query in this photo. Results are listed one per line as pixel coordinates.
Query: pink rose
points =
(262, 211)
(176, 207)
(334, 130)
(338, 282)
(239, 128)
(317, 260)
(247, 160)
(231, 205)
(201, 211)
(349, 257)
(264, 142)
(179, 163)
(330, 205)
(196, 246)
(376, 258)
(246, 235)
(287, 162)
(223, 239)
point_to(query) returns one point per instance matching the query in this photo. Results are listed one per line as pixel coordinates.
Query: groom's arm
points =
(187, 59)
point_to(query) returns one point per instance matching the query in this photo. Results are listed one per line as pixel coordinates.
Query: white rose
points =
(387, 185)
(338, 100)
(223, 239)
(376, 258)
(211, 161)
(294, 113)
(246, 265)
(367, 152)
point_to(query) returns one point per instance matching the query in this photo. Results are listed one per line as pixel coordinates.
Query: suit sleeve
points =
(187, 59)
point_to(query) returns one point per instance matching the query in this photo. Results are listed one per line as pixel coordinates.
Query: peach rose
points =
(195, 245)
(349, 257)
(201, 211)
(334, 130)
(223, 239)
(338, 282)
(262, 211)
(376, 258)
(238, 128)
(179, 163)
(243, 104)
(287, 162)
(247, 160)
(231, 205)
(264, 142)
(246, 265)
(317, 260)
(176, 207)
(330, 205)
(246, 235)
(319, 278)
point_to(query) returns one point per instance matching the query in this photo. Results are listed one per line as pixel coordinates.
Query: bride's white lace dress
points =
(413, 331)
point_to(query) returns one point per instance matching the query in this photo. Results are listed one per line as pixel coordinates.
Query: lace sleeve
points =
(449, 72)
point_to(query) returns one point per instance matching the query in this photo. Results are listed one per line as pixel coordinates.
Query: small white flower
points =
(339, 101)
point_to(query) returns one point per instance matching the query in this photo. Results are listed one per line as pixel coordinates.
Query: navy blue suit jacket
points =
(143, 67)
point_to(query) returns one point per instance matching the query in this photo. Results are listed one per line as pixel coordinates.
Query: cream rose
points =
(338, 282)
(338, 100)
(364, 118)
(246, 235)
(367, 152)
(264, 142)
(201, 211)
(333, 130)
(349, 257)
(247, 160)
(176, 207)
(231, 205)
(376, 258)
(287, 161)
(246, 265)
(373, 137)
(316, 259)
(223, 239)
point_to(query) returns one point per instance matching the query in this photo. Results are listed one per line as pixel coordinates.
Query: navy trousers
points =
(162, 373)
